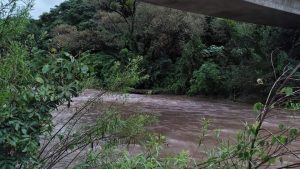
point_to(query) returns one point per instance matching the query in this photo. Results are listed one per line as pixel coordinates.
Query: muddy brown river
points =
(180, 117)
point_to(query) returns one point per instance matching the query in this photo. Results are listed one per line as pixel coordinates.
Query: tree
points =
(13, 18)
(127, 10)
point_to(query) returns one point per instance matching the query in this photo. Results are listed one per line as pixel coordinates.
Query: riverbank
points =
(249, 99)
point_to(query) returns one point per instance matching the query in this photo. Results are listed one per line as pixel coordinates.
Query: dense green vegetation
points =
(178, 48)
(35, 81)
(120, 45)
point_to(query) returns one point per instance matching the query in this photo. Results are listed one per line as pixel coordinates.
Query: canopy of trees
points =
(177, 47)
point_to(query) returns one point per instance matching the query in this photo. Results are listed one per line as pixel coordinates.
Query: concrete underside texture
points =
(291, 6)
(280, 13)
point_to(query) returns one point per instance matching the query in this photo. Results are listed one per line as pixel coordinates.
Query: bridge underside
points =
(239, 10)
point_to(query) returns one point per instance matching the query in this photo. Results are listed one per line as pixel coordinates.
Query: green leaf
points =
(283, 139)
(258, 107)
(45, 69)
(39, 80)
(84, 69)
(69, 76)
(293, 134)
(279, 139)
(288, 91)
(60, 137)
(17, 126)
(24, 131)
(130, 3)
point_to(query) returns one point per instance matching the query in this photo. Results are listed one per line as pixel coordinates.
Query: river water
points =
(180, 117)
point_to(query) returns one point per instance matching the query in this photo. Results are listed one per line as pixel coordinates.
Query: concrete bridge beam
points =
(281, 13)
(290, 6)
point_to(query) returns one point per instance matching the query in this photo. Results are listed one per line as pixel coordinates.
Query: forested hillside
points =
(182, 53)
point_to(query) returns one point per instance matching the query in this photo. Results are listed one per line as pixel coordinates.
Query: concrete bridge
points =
(281, 13)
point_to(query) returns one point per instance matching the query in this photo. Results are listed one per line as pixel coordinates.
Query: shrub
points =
(208, 79)
(33, 94)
